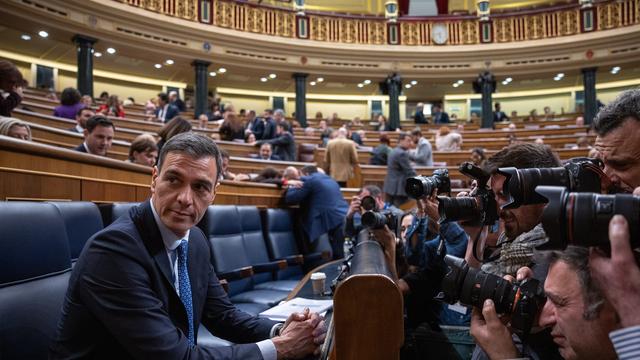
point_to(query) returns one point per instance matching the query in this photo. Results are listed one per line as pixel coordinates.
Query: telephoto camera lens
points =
(373, 220)
(582, 219)
(472, 287)
(420, 186)
(368, 203)
(579, 174)
(458, 209)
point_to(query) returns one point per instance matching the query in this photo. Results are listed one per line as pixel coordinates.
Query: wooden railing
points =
(536, 24)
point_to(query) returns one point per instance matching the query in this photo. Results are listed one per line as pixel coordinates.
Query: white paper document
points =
(281, 312)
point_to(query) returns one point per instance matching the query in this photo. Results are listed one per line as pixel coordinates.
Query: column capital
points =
(589, 69)
(300, 75)
(204, 63)
(83, 40)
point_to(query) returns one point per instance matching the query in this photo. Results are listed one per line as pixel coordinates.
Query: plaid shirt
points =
(516, 253)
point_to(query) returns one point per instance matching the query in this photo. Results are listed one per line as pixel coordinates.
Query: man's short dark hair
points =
(373, 190)
(195, 145)
(577, 258)
(523, 156)
(98, 120)
(610, 117)
(164, 97)
(402, 135)
(309, 169)
(416, 132)
(224, 154)
(284, 125)
(79, 112)
(70, 96)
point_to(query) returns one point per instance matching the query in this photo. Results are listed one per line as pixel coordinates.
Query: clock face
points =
(439, 33)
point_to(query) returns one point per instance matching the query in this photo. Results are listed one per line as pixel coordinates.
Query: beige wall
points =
(257, 103)
(140, 92)
(457, 107)
(558, 103)
(608, 95)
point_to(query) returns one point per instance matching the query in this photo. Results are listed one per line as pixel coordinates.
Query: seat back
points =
(281, 240)
(256, 248)
(111, 212)
(221, 225)
(81, 219)
(306, 152)
(34, 274)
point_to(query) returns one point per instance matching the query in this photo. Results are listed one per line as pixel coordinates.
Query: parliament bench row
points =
(261, 264)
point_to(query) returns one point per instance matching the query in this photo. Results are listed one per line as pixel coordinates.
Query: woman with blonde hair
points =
(15, 128)
(446, 140)
(232, 127)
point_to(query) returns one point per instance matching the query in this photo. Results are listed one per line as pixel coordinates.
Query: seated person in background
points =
(582, 143)
(325, 132)
(225, 174)
(352, 135)
(539, 141)
(69, 104)
(439, 116)
(144, 284)
(104, 97)
(266, 152)
(250, 120)
(418, 117)
(175, 100)
(422, 155)
(382, 124)
(11, 84)
(51, 95)
(381, 153)
(498, 114)
(150, 108)
(510, 127)
(98, 136)
(215, 113)
(15, 128)
(533, 115)
(474, 118)
(333, 119)
(82, 116)
(579, 316)
(446, 140)
(175, 126)
(478, 157)
(143, 150)
(580, 121)
(356, 121)
(514, 114)
(548, 114)
(87, 100)
(284, 145)
(165, 111)
(319, 116)
(203, 121)
(231, 128)
(129, 101)
(309, 131)
(323, 208)
(250, 138)
(112, 107)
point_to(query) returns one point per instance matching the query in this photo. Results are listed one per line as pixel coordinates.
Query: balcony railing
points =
(538, 24)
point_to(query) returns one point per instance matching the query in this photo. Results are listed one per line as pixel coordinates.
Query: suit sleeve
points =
(280, 141)
(405, 165)
(298, 195)
(354, 156)
(124, 302)
(327, 159)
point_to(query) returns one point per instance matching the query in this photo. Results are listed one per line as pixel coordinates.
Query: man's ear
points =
(154, 176)
(85, 132)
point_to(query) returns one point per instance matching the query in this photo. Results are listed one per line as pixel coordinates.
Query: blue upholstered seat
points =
(34, 273)
(81, 220)
(281, 242)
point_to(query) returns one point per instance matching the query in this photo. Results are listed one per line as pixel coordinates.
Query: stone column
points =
(85, 63)
(393, 84)
(202, 77)
(590, 99)
(301, 98)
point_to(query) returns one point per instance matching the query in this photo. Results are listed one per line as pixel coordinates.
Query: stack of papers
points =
(281, 312)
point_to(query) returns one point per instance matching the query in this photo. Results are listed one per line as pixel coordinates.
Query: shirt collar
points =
(87, 148)
(80, 129)
(169, 238)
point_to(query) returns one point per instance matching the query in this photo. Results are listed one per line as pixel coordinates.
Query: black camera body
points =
(523, 300)
(577, 175)
(420, 186)
(480, 209)
(582, 219)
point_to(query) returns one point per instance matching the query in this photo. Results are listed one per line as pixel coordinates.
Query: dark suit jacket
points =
(441, 118)
(322, 204)
(419, 118)
(500, 116)
(74, 129)
(81, 148)
(284, 146)
(398, 170)
(269, 131)
(121, 303)
(172, 111)
(180, 105)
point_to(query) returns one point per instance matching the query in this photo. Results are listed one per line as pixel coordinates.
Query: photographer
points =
(618, 129)
(522, 229)
(576, 312)
(352, 225)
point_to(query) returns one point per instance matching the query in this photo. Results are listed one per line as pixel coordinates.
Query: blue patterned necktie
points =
(185, 286)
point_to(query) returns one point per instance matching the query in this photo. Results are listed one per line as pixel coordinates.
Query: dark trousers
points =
(342, 183)
(336, 238)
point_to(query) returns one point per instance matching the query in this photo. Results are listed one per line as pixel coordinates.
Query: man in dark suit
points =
(98, 136)
(418, 117)
(166, 111)
(174, 99)
(498, 114)
(266, 152)
(143, 285)
(323, 205)
(398, 170)
(284, 146)
(81, 120)
(439, 116)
